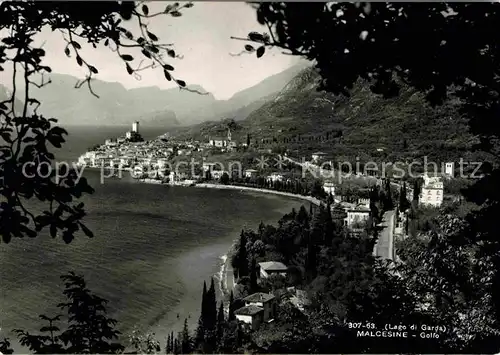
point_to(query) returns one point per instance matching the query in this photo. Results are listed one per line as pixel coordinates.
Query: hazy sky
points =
(201, 35)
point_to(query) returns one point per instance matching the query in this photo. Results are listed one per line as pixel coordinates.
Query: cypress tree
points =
(211, 306)
(171, 342)
(231, 316)
(311, 259)
(253, 276)
(176, 348)
(200, 330)
(185, 339)
(204, 301)
(404, 204)
(242, 256)
(416, 190)
(302, 217)
(389, 204)
(167, 347)
(220, 320)
(200, 334)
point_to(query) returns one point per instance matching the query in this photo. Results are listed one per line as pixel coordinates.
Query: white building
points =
(218, 142)
(270, 268)
(449, 169)
(432, 191)
(217, 174)
(259, 307)
(275, 177)
(316, 157)
(250, 173)
(251, 315)
(135, 127)
(358, 215)
(329, 188)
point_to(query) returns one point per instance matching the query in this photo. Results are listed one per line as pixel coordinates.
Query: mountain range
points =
(364, 125)
(151, 106)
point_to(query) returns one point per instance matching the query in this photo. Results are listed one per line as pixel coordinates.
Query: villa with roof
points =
(259, 307)
(270, 268)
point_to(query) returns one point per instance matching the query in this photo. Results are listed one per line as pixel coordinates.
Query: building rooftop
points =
(318, 153)
(250, 310)
(259, 297)
(273, 266)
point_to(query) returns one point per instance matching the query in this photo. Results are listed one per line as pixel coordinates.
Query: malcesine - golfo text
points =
(402, 331)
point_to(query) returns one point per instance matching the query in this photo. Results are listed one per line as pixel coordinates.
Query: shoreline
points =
(259, 190)
(225, 274)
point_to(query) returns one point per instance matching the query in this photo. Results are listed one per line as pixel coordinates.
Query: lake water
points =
(154, 246)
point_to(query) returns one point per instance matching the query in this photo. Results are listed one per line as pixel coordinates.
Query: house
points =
(275, 177)
(208, 166)
(265, 301)
(259, 307)
(432, 191)
(217, 174)
(329, 188)
(316, 157)
(218, 142)
(251, 315)
(270, 268)
(357, 215)
(249, 173)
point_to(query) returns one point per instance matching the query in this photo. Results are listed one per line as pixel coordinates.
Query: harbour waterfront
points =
(154, 246)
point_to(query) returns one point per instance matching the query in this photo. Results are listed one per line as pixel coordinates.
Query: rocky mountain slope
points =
(368, 125)
(363, 125)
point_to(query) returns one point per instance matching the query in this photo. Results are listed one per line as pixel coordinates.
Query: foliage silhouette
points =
(391, 45)
(89, 329)
(26, 135)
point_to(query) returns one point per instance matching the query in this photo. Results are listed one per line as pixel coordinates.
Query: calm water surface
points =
(153, 248)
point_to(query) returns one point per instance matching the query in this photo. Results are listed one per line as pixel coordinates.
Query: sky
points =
(201, 35)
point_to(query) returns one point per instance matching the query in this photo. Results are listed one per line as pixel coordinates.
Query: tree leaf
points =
(175, 14)
(171, 53)
(93, 69)
(168, 67)
(261, 51)
(146, 53)
(126, 9)
(181, 83)
(249, 48)
(167, 75)
(87, 231)
(79, 60)
(145, 10)
(188, 5)
(255, 36)
(152, 36)
(66, 51)
(129, 69)
(127, 57)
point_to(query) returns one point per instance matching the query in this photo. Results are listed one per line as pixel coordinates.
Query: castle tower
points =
(450, 169)
(135, 127)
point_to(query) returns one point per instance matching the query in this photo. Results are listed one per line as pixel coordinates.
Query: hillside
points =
(363, 125)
